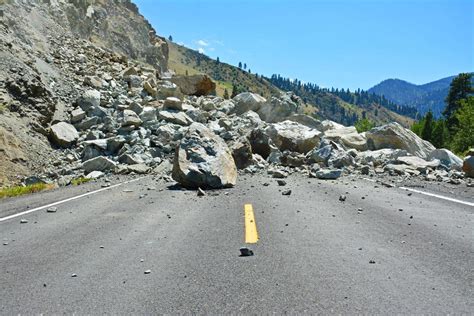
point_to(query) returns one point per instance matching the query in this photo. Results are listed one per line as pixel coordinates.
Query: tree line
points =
(455, 129)
(358, 97)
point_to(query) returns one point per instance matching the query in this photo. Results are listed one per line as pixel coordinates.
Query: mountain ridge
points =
(424, 97)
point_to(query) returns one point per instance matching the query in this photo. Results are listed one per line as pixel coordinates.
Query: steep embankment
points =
(44, 47)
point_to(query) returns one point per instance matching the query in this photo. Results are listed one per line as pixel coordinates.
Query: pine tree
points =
(427, 130)
(170, 38)
(226, 94)
(464, 137)
(240, 65)
(440, 135)
(245, 66)
(460, 88)
(218, 60)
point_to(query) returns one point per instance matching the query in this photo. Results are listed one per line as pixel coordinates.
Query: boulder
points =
(292, 159)
(418, 163)
(89, 99)
(336, 133)
(94, 175)
(355, 140)
(202, 159)
(179, 118)
(260, 142)
(279, 109)
(468, 166)
(327, 125)
(293, 136)
(136, 168)
(167, 89)
(77, 115)
(395, 136)
(328, 174)
(64, 134)
(331, 154)
(306, 120)
(172, 103)
(447, 158)
(100, 163)
(148, 114)
(381, 156)
(247, 101)
(131, 118)
(195, 85)
(242, 154)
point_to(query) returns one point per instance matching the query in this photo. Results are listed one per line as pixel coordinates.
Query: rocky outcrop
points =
(203, 160)
(197, 85)
(395, 136)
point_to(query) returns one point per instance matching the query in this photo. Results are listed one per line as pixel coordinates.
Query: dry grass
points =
(79, 181)
(22, 190)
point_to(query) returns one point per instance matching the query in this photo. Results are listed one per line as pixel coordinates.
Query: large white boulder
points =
(292, 136)
(64, 134)
(395, 136)
(202, 159)
(247, 101)
(447, 158)
(281, 108)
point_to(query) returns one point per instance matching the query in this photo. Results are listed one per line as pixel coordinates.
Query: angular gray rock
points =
(198, 85)
(242, 154)
(77, 115)
(247, 101)
(281, 108)
(395, 136)
(131, 118)
(418, 163)
(64, 134)
(100, 163)
(202, 159)
(179, 118)
(328, 174)
(355, 140)
(292, 136)
(468, 166)
(447, 158)
(89, 99)
(172, 103)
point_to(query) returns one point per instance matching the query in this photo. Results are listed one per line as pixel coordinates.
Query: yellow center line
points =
(251, 234)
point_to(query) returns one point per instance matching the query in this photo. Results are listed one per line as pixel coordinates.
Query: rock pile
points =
(106, 113)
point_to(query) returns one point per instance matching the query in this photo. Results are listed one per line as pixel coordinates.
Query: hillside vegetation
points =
(323, 104)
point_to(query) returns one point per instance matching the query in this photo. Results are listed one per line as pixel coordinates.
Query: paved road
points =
(313, 255)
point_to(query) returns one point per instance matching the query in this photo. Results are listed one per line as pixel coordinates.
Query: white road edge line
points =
(67, 200)
(438, 196)
(429, 194)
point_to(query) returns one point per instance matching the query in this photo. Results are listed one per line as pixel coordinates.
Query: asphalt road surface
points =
(145, 248)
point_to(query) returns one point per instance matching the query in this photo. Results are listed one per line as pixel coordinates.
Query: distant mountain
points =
(337, 105)
(422, 97)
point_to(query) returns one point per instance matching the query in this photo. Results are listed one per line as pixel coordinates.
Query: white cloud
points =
(201, 50)
(202, 43)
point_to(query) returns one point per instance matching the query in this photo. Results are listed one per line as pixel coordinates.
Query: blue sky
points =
(334, 43)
